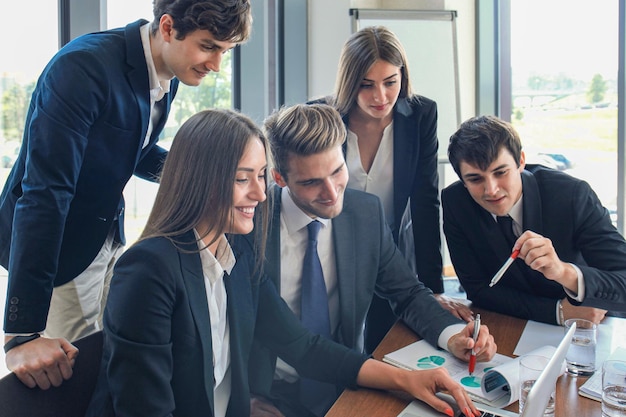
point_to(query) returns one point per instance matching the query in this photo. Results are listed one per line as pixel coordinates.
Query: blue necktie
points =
(314, 299)
(315, 396)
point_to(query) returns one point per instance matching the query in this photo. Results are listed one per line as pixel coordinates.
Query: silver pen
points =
(502, 270)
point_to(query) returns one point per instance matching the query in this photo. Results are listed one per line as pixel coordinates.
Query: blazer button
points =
(14, 300)
(12, 317)
(13, 309)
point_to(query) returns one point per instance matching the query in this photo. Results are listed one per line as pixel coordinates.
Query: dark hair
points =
(226, 20)
(359, 53)
(478, 142)
(198, 178)
(303, 130)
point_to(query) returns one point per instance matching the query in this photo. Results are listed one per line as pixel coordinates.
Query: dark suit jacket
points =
(368, 262)
(557, 206)
(415, 175)
(158, 353)
(83, 139)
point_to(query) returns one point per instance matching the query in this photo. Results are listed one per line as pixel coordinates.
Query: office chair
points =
(69, 400)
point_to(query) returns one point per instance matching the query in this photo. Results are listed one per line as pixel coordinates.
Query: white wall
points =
(329, 26)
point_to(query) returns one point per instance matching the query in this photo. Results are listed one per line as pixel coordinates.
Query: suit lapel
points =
(241, 320)
(272, 258)
(196, 291)
(403, 152)
(137, 75)
(533, 220)
(346, 259)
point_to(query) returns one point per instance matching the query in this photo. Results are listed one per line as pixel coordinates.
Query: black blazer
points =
(557, 206)
(415, 175)
(157, 348)
(83, 141)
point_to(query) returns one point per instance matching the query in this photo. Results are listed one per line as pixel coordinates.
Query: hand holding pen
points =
(472, 361)
(504, 267)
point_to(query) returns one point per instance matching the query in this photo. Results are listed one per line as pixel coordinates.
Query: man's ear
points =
(166, 27)
(522, 161)
(278, 179)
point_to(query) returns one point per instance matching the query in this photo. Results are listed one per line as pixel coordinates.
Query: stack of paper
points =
(592, 388)
(495, 383)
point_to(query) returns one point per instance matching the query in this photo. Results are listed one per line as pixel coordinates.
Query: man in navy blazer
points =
(356, 249)
(94, 120)
(572, 260)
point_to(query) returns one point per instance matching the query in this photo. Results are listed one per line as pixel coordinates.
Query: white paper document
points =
(495, 383)
(536, 335)
(592, 388)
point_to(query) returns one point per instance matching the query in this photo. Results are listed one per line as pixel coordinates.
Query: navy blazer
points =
(368, 262)
(85, 128)
(158, 358)
(415, 176)
(557, 206)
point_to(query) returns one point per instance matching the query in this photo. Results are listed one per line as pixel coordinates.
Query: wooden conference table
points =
(506, 331)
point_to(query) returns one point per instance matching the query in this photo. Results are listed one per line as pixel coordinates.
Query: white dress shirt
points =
(293, 242)
(213, 271)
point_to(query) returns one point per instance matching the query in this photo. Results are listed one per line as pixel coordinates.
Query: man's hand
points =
(260, 407)
(42, 362)
(461, 344)
(539, 254)
(456, 307)
(592, 314)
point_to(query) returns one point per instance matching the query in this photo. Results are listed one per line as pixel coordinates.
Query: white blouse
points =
(213, 270)
(379, 181)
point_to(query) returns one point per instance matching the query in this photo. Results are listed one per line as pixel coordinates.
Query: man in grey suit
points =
(356, 251)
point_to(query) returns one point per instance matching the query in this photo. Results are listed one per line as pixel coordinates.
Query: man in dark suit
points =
(572, 260)
(94, 120)
(356, 249)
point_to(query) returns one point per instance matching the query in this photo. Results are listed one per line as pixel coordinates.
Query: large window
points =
(564, 61)
(24, 51)
(29, 43)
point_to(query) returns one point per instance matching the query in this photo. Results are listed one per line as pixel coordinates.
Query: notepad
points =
(592, 388)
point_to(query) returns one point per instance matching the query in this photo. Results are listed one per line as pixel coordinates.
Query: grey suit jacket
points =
(557, 206)
(368, 262)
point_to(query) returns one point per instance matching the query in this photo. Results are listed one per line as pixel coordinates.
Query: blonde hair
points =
(303, 130)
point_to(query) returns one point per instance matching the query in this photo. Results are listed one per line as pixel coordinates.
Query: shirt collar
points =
(158, 88)
(225, 257)
(295, 219)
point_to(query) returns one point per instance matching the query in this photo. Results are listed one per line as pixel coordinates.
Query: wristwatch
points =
(19, 340)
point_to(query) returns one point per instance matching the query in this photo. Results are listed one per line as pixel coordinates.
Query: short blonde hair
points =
(303, 130)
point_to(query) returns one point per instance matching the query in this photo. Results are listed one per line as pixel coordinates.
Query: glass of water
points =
(614, 389)
(581, 355)
(530, 367)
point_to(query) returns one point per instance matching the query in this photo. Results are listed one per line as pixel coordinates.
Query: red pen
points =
(502, 270)
(472, 361)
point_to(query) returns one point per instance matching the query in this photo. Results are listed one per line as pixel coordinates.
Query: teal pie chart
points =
(430, 362)
(471, 381)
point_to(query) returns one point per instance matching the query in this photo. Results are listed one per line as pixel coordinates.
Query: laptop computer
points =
(536, 401)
